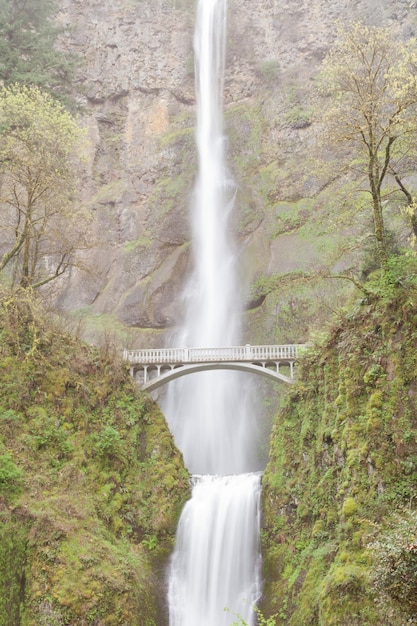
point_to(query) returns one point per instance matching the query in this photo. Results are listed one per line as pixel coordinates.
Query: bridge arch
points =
(160, 366)
(184, 370)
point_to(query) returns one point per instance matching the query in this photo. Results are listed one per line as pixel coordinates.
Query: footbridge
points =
(153, 368)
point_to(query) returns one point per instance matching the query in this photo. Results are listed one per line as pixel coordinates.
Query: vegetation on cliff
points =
(91, 483)
(339, 493)
(343, 205)
(28, 54)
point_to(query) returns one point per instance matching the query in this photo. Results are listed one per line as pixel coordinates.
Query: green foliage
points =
(260, 618)
(370, 86)
(395, 556)
(270, 70)
(399, 271)
(150, 542)
(47, 435)
(10, 476)
(13, 559)
(109, 443)
(92, 473)
(299, 117)
(27, 47)
(343, 465)
(41, 224)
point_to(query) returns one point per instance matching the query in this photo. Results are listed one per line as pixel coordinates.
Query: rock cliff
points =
(135, 85)
(91, 483)
(339, 521)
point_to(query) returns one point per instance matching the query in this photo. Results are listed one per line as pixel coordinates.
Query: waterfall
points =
(215, 565)
(216, 561)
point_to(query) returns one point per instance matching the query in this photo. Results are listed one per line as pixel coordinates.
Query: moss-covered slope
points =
(340, 530)
(91, 483)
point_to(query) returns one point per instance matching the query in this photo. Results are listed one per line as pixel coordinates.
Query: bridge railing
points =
(248, 352)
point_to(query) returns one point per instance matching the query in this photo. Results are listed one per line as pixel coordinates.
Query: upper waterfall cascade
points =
(212, 414)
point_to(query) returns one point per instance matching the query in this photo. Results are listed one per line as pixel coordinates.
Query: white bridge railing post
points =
(160, 356)
(153, 362)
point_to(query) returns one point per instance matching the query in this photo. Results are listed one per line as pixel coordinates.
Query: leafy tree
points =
(370, 80)
(27, 46)
(42, 226)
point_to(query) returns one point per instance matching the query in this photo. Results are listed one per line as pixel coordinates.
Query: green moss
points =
(171, 192)
(105, 328)
(290, 216)
(343, 464)
(88, 473)
(14, 554)
(343, 596)
(269, 70)
(11, 477)
(299, 116)
(183, 136)
(141, 242)
(110, 192)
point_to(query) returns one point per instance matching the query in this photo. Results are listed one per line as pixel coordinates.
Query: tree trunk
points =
(379, 228)
(25, 278)
(375, 185)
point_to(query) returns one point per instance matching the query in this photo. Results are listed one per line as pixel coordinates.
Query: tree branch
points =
(60, 269)
(386, 162)
(402, 187)
(355, 282)
(16, 248)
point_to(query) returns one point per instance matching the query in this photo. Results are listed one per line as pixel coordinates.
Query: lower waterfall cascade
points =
(215, 566)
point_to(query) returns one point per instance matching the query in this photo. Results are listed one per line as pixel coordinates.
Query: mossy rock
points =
(90, 472)
(343, 464)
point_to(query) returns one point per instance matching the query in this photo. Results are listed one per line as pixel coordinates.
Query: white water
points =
(216, 559)
(215, 565)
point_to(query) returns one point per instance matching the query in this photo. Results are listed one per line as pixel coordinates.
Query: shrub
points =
(395, 562)
(109, 443)
(270, 70)
(11, 476)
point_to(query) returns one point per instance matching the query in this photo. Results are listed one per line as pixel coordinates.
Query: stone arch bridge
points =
(154, 367)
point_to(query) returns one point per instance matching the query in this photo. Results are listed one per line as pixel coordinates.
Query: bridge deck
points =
(248, 353)
(157, 366)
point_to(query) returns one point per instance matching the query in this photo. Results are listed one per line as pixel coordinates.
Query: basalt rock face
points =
(131, 84)
(136, 86)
